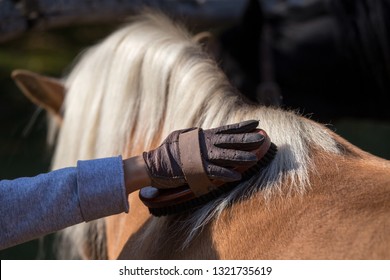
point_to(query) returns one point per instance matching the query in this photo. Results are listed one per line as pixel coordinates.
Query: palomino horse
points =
(320, 198)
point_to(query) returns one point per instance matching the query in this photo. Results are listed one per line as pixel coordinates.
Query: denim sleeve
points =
(36, 206)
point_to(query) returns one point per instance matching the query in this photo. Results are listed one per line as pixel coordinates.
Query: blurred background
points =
(315, 54)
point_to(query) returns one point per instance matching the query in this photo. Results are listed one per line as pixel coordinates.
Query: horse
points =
(320, 198)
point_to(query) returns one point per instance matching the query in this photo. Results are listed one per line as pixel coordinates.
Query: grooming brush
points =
(163, 202)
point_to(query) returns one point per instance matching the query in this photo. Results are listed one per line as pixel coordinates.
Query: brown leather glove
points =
(222, 149)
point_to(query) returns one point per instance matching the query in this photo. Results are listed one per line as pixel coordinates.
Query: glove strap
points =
(192, 164)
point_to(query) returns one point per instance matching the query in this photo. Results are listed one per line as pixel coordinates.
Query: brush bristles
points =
(201, 200)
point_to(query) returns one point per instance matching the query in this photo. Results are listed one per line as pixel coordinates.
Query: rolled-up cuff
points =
(101, 188)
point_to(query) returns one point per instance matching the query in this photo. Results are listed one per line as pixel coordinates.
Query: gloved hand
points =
(222, 149)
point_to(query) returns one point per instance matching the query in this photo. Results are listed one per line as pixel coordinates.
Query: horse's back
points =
(344, 215)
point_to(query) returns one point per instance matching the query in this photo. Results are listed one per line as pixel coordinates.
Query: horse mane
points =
(127, 93)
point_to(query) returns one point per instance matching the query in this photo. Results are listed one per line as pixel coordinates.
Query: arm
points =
(136, 176)
(32, 207)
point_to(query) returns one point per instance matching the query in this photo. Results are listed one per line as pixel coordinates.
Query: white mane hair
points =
(127, 93)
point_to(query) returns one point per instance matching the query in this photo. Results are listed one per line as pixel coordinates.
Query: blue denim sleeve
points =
(36, 206)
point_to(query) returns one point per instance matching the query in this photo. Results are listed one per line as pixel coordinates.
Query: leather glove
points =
(222, 149)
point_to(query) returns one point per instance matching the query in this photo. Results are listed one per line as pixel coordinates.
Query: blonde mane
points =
(126, 94)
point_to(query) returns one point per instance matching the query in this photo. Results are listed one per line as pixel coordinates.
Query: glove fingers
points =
(241, 127)
(223, 174)
(232, 158)
(245, 141)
